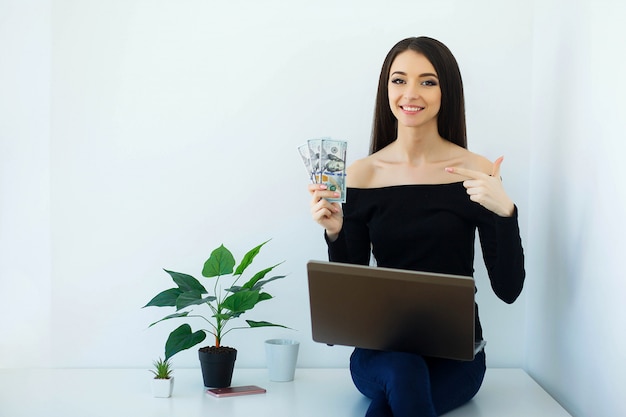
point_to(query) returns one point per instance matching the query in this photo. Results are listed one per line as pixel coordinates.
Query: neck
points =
(419, 144)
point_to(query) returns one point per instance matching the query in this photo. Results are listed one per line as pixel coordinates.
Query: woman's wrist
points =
(508, 210)
(331, 236)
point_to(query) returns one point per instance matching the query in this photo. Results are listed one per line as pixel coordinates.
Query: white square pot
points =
(162, 388)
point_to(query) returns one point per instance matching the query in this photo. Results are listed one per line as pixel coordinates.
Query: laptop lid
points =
(391, 309)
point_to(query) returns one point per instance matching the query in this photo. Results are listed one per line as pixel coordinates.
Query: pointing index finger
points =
(496, 167)
(469, 173)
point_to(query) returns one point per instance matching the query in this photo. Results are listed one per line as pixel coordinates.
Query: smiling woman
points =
(416, 203)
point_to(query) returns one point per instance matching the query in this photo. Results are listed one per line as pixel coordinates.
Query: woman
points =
(415, 203)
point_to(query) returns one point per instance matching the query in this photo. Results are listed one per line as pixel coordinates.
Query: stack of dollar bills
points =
(325, 162)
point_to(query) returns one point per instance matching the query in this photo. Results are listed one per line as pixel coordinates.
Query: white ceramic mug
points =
(282, 356)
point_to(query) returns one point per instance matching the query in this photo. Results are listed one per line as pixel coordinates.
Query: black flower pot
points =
(217, 365)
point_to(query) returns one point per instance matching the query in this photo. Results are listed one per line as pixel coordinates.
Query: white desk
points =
(314, 392)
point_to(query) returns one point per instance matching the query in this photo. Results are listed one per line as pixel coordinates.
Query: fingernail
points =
(336, 195)
(323, 186)
(449, 169)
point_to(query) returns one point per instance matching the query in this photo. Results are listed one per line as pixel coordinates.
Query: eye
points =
(397, 81)
(429, 83)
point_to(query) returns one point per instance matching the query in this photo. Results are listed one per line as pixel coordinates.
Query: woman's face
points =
(414, 93)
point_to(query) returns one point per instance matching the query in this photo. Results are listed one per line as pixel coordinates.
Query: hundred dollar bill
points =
(305, 153)
(332, 166)
(315, 150)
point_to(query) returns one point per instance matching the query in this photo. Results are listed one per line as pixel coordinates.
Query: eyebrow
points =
(426, 74)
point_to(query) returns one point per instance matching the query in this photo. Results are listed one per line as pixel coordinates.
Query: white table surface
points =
(314, 392)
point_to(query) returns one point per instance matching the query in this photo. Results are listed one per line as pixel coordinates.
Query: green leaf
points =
(264, 296)
(182, 338)
(186, 282)
(223, 316)
(165, 298)
(241, 301)
(248, 258)
(221, 262)
(259, 284)
(171, 316)
(162, 369)
(258, 276)
(191, 298)
(264, 324)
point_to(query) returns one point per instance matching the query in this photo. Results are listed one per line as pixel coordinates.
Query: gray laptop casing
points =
(391, 309)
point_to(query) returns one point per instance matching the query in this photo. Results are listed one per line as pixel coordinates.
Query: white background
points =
(139, 135)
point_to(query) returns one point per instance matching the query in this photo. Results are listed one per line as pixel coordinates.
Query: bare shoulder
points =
(360, 173)
(476, 162)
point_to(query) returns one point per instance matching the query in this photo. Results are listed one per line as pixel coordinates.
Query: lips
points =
(411, 109)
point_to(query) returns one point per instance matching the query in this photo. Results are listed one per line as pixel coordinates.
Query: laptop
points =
(392, 309)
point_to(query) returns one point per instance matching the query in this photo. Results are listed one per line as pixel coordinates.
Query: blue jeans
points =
(409, 385)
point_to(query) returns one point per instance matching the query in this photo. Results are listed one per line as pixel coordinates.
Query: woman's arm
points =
(503, 255)
(499, 231)
(352, 245)
(345, 230)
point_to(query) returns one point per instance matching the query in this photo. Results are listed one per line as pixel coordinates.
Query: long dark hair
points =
(451, 117)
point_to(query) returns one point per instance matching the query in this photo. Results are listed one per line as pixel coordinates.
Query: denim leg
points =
(408, 385)
(401, 379)
(379, 407)
(453, 383)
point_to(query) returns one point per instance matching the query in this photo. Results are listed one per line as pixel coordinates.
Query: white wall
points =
(25, 262)
(161, 129)
(575, 336)
(148, 133)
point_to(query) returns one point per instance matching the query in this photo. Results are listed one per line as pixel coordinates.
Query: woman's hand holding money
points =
(327, 214)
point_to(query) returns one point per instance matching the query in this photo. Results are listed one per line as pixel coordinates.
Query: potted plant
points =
(163, 381)
(226, 301)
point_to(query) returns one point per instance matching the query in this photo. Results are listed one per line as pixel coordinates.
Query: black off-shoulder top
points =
(431, 228)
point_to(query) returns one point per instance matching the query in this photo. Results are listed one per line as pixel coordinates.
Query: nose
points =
(411, 92)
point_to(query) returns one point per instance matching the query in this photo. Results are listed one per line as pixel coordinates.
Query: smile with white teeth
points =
(411, 108)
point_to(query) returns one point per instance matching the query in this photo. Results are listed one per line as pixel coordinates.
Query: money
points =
(325, 162)
(305, 153)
